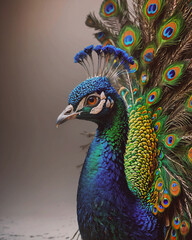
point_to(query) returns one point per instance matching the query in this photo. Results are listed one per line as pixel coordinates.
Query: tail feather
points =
(158, 34)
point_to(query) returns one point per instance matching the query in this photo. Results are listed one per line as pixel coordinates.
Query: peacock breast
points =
(141, 153)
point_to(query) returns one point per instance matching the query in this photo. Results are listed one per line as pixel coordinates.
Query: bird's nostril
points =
(69, 111)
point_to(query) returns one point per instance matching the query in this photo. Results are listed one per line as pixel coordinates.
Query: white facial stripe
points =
(98, 108)
(112, 103)
(108, 104)
(102, 96)
(81, 104)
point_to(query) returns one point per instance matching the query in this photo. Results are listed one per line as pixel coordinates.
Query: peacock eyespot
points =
(148, 54)
(160, 208)
(166, 200)
(148, 57)
(144, 78)
(169, 31)
(157, 127)
(173, 233)
(161, 155)
(134, 67)
(155, 211)
(159, 184)
(175, 188)
(171, 74)
(152, 97)
(176, 223)
(170, 140)
(154, 116)
(184, 227)
(152, 9)
(128, 40)
(109, 8)
(92, 100)
(100, 35)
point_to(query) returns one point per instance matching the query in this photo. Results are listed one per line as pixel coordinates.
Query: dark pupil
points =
(169, 31)
(152, 97)
(173, 233)
(91, 99)
(172, 73)
(109, 8)
(170, 140)
(148, 56)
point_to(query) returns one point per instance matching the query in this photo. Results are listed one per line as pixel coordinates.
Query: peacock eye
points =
(92, 100)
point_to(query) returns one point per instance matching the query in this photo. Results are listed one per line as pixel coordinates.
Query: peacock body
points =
(136, 181)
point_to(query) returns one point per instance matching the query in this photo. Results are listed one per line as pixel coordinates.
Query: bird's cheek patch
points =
(98, 108)
(109, 103)
(81, 105)
(102, 96)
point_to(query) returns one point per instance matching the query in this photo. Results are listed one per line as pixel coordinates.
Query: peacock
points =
(136, 181)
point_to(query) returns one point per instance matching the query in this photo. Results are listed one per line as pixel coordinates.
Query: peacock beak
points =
(67, 114)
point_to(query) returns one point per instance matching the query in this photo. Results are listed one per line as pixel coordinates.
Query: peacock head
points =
(91, 100)
(95, 98)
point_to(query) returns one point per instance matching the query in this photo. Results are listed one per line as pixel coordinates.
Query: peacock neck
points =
(108, 147)
(113, 131)
(104, 164)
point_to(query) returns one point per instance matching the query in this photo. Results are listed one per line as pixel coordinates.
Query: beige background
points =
(38, 163)
(38, 174)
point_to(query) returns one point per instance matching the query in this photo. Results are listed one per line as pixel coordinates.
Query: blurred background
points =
(38, 163)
